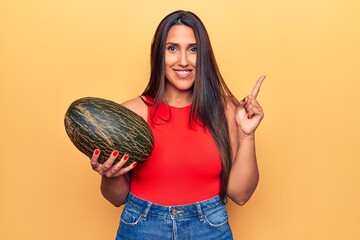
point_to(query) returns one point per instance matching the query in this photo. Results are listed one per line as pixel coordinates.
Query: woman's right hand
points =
(107, 168)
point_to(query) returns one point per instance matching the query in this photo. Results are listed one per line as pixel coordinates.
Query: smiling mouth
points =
(183, 72)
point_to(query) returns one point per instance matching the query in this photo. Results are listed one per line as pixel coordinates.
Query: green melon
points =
(95, 123)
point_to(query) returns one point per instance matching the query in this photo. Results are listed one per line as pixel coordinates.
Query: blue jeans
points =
(143, 220)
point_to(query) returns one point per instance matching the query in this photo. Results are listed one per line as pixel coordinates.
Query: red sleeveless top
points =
(185, 164)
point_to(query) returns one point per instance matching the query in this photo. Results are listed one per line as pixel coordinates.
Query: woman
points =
(204, 147)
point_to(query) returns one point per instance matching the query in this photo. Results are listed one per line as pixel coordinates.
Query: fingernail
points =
(97, 151)
(115, 153)
(134, 164)
(126, 157)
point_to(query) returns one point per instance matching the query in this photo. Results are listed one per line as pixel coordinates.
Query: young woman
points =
(204, 146)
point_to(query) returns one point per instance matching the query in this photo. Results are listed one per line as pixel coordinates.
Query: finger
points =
(255, 111)
(242, 103)
(127, 169)
(94, 159)
(109, 162)
(253, 108)
(117, 167)
(257, 86)
(252, 104)
(251, 101)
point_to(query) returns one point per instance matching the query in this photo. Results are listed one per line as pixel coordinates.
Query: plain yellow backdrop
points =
(53, 52)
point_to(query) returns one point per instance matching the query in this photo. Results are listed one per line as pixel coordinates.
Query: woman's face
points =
(180, 59)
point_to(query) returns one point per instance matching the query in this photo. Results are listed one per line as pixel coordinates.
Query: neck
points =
(182, 99)
(177, 102)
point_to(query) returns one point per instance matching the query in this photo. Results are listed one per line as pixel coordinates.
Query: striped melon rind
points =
(95, 123)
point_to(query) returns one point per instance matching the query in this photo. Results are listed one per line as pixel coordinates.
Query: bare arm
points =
(115, 180)
(115, 190)
(243, 121)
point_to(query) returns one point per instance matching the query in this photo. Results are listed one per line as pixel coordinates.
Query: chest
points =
(183, 147)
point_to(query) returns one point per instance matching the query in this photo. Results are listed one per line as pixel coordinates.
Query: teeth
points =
(183, 72)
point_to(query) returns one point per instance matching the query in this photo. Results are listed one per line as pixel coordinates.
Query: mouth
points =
(183, 73)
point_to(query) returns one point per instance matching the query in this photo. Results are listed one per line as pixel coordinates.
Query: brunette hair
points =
(210, 93)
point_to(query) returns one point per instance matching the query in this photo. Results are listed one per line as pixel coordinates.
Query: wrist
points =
(246, 136)
(112, 179)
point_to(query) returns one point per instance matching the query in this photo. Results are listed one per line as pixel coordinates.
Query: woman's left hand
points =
(249, 113)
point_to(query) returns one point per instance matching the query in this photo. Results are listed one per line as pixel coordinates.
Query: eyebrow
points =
(177, 44)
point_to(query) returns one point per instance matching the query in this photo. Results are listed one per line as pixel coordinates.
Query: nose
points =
(183, 59)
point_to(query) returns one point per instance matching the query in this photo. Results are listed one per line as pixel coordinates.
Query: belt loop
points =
(200, 212)
(147, 209)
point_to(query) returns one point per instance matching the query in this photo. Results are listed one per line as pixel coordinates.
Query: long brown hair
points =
(210, 92)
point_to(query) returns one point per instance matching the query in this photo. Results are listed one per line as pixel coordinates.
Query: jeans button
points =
(174, 211)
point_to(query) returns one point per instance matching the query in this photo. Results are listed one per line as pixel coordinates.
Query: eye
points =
(193, 49)
(171, 48)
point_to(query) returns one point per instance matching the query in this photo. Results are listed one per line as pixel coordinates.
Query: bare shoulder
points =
(137, 105)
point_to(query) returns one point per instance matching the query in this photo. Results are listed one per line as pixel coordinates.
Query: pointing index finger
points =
(257, 86)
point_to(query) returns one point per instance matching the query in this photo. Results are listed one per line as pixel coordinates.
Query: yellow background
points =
(53, 52)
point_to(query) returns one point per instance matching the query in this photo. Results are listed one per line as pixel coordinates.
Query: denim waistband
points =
(176, 211)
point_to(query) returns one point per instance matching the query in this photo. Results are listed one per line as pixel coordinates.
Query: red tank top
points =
(185, 164)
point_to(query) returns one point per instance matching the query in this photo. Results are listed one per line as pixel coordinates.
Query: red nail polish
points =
(134, 164)
(115, 153)
(97, 151)
(126, 157)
